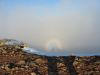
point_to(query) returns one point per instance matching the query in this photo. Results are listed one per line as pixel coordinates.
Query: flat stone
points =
(22, 62)
(33, 73)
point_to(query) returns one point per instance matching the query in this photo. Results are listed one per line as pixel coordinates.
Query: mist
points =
(75, 26)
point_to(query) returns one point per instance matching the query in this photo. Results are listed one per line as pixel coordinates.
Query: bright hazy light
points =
(53, 45)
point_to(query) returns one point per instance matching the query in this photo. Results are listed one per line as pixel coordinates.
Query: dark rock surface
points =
(13, 61)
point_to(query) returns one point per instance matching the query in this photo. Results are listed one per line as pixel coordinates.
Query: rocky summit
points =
(14, 61)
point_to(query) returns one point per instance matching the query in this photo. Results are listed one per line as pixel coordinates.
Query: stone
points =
(4, 52)
(60, 65)
(14, 62)
(33, 73)
(7, 69)
(21, 62)
(38, 60)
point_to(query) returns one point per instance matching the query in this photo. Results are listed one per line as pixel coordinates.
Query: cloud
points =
(75, 25)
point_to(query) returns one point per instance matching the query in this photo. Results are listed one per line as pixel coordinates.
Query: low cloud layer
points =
(76, 25)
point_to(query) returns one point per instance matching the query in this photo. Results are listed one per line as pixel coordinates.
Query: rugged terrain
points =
(14, 61)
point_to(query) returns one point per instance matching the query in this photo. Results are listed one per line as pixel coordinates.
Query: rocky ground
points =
(14, 61)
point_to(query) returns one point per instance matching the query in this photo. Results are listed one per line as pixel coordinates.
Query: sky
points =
(54, 26)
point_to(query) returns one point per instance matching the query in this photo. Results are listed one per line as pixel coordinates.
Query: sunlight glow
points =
(53, 45)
